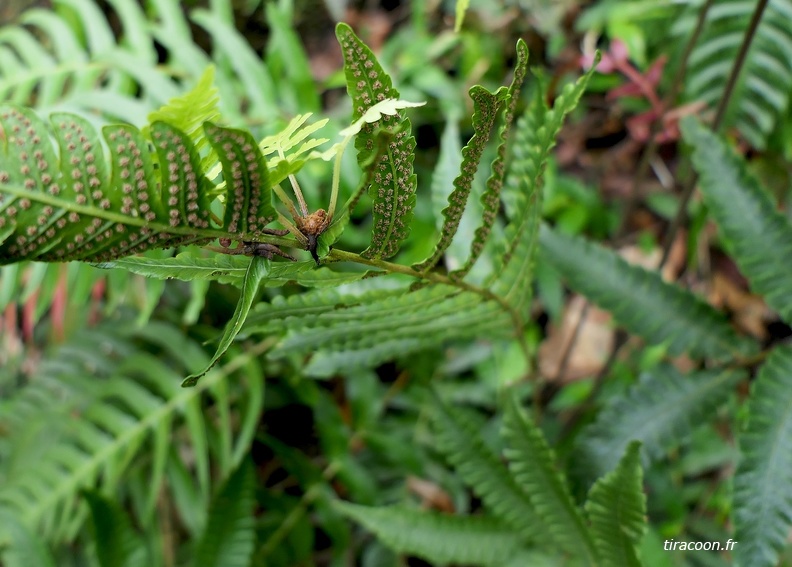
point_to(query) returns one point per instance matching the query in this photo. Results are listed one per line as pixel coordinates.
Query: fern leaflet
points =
(641, 301)
(762, 498)
(745, 214)
(532, 463)
(659, 411)
(393, 182)
(616, 507)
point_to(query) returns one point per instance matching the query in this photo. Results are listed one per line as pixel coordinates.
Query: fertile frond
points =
(641, 301)
(533, 465)
(480, 467)
(378, 328)
(660, 411)
(82, 206)
(393, 182)
(485, 110)
(438, 538)
(762, 94)
(490, 199)
(616, 507)
(758, 232)
(534, 140)
(763, 481)
(230, 534)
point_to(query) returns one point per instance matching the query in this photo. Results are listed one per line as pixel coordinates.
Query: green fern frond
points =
(533, 465)
(485, 110)
(459, 439)
(762, 507)
(380, 329)
(21, 546)
(394, 183)
(534, 140)
(117, 544)
(762, 93)
(230, 535)
(256, 272)
(99, 405)
(660, 411)
(758, 233)
(438, 538)
(617, 507)
(490, 199)
(641, 301)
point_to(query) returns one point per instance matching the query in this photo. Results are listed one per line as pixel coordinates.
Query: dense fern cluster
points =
(70, 193)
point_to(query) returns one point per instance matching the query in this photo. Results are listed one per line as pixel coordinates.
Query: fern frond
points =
(490, 199)
(534, 140)
(72, 209)
(21, 546)
(256, 272)
(459, 439)
(438, 538)
(485, 110)
(98, 406)
(660, 411)
(616, 507)
(762, 508)
(230, 535)
(533, 465)
(116, 540)
(758, 233)
(641, 301)
(384, 328)
(394, 183)
(762, 94)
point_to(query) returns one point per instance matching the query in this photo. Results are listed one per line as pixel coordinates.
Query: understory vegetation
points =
(496, 285)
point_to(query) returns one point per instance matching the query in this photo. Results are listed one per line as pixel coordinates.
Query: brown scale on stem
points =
(312, 226)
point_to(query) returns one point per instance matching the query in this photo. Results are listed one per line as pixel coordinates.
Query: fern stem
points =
(717, 124)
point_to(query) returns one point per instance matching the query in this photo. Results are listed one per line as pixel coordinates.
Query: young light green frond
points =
(230, 535)
(641, 301)
(384, 328)
(248, 204)
(763, 481)
(535, 137)
(117, 544)
(485, 109)
(393, 181)
(616, 507)
(438, 538)
(482, 469)
(533, 465)
(490, 199)
(189, 111)
(660, 411)
(256, 272)
(748, 218)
